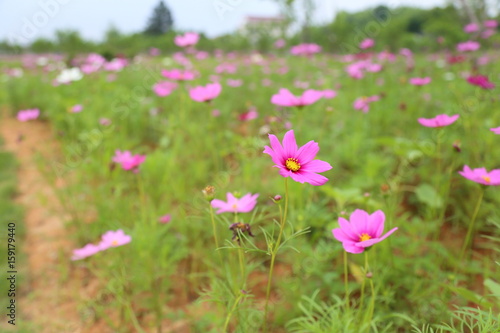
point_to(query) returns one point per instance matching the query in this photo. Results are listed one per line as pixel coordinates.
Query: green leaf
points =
(428, 195)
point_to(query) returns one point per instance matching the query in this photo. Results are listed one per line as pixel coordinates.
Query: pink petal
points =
(352, 248)
(359, 221)
(376, 224)
(289, 144)
(309, 177)
(316, 166)
(307, 152)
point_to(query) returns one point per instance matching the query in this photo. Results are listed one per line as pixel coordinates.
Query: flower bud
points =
(209, 192)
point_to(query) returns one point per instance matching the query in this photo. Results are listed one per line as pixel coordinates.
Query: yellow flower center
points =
(364, 237)
(234, 206)
(114, 243)
(486, 179)
(292, 164)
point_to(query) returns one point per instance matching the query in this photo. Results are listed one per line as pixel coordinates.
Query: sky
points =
(25, 20)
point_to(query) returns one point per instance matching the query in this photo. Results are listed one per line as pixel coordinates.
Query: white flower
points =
(69, 75)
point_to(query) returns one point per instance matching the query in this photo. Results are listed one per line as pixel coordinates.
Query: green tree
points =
(161, 21)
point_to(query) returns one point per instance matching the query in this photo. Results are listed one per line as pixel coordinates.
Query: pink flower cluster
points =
(164, 88)
(363, 103)
(481, 81)
(305, 49)
(205, 93)
(108, 240)
(187, 40)
(285, 98)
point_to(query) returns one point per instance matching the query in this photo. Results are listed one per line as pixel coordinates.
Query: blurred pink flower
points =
(487, 33)
(234, 205)
(285, 98)
(165, 219)
(366, 44)
(329, 94)
(105, 121)
(128, 161)
(186, 40)
(471, 28)
(490, 24)
(164, 88)
(226, 68)
(205, 93)
(234, 83)
(482, 176)
(215, 113)
(179, 74)
(114, 239)
(361, 231)
(77, 108)
(495, 130)
(297, 163)
(420, 81)
(481, 81)
(441, 120)
(86, 251)
(154, 51)
(30, 114)
(468, 46)
(305, 49)
(406, 53)
(115, 65)
(363, 103)
(279, 44)
(250, 115)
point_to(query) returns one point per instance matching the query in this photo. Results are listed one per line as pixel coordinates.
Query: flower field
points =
(286, 192)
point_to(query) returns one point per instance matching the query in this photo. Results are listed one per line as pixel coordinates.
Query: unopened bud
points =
(209, 192)
(277, 198)
(369, 275)
(457, 146)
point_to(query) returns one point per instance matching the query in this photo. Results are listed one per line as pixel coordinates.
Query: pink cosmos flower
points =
(215, 113)
(205, 93)
(30, 114)
(234, 205)
(490, 24)
(77, 108)
(187, 40)
(468, 46)
(481, 81)
(128, 161)
(279, 44)
(114, 239)
(165, 219)
(234, 83)
(105, 121)
(297, 163)
(406, 53)
(471, 28)
(487, 33)
(366, 44)
(495, 130)
(305, 49)
(361, 231)
(226, 68)
(154, 51)
(420, 81)
(116, 65)
(164, 88)
(179, 74)
(329, 94)
(86, 251)
(363, 103)
(250, 115)
(285, 98)
(441, 120)
(482, 176)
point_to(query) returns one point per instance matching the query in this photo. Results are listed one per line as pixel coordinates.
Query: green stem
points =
(214, 228)
(274, 252)
(346, 272)
(471, 228)
(228, 317)
(372, 302)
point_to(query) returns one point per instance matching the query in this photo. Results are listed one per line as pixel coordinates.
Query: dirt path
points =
(48, 299)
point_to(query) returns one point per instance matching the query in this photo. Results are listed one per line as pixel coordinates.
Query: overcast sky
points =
(26, 20)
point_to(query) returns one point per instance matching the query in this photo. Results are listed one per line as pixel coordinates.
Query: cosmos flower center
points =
(486, 179)
(364, 237)
(114, 243)
(292, 164)
(234, 206)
